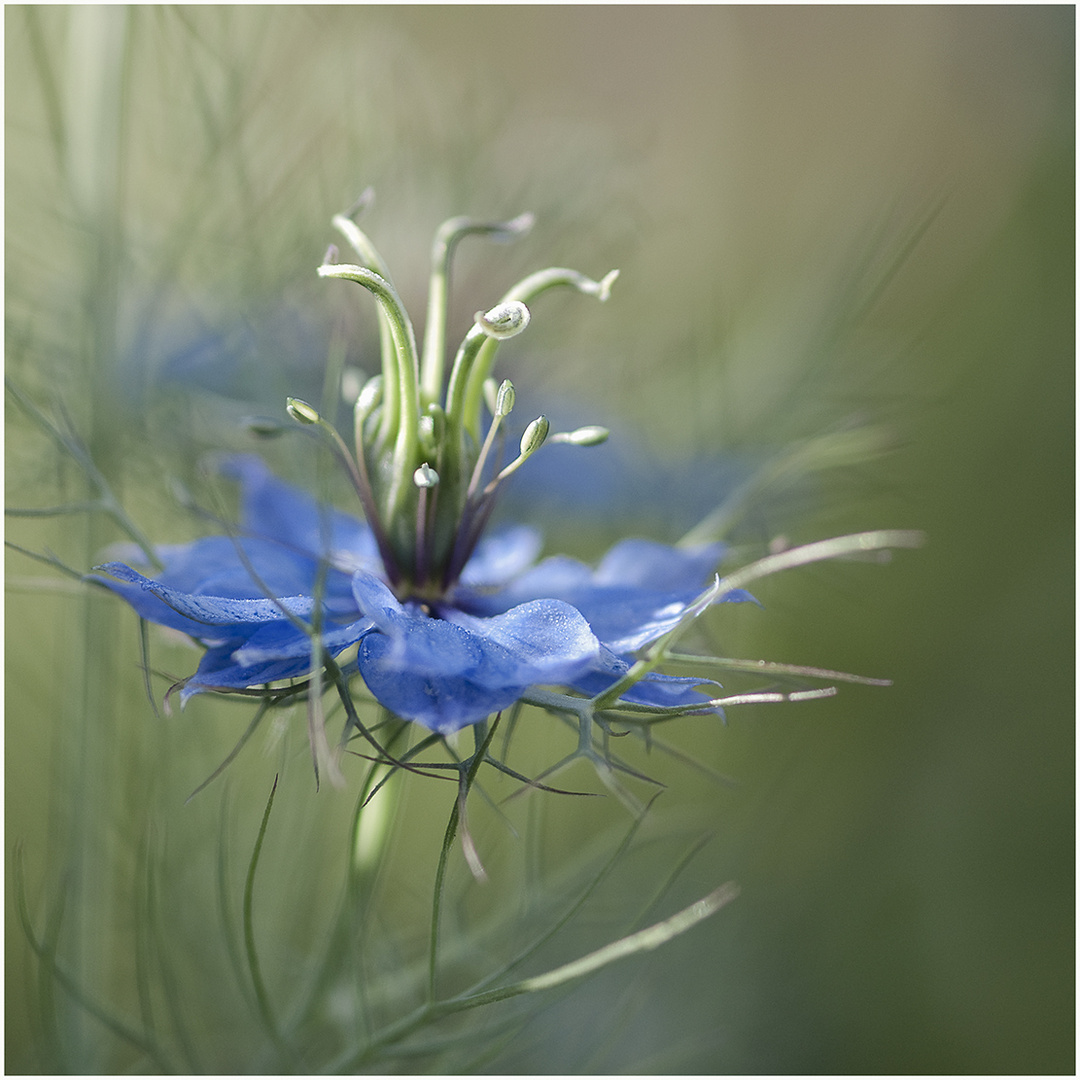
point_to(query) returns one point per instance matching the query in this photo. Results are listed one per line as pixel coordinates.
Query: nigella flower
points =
(451, 625)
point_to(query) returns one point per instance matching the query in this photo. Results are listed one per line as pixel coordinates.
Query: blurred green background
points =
(821, 215)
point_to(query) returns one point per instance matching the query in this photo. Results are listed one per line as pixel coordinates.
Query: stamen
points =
(534, 437)
(465, 408)
(478, 508)
(592, 435)
(425, 478)
(302, 412)
(531, 441)
(308, 415)
(504, 399)
(504, 403)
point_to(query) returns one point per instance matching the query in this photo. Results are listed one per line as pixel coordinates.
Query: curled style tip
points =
(503, 321)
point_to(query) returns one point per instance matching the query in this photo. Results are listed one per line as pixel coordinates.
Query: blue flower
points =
(450, 625)
(506, 625)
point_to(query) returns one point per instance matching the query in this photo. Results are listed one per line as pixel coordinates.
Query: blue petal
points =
(650, 565)
(638, 593)
(656, 688)
(558, 576)
(274, 651)
(446, 673)
(291, 517)
(218, 670)
(204, 611)
(244, 569)
(250, 641)
(283, 641)
(443, 704)
(502, 555)
(626, 619)
(623, 618)
(550, 641)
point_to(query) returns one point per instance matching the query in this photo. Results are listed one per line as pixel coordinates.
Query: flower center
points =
(425, 478)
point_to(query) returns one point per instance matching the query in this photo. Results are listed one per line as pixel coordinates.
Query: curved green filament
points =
(370, 258)
(442, 250)
(404, 374)
(478, 365)
(465, 361)
(362, 245)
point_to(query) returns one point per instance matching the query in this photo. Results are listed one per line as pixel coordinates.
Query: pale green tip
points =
(603, 286)
(516, 227)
